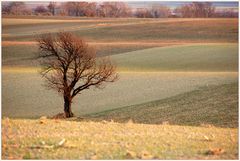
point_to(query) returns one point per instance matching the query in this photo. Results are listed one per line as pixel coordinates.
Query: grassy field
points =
(25, 55)
(149, 75)
(25, 28)
(196, 30)
(200, 57)
(24, 95)
(176, 97)
(210, 105)
(31, 139)
(220, 57)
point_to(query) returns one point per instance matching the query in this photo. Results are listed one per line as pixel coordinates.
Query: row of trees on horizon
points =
(116, 9)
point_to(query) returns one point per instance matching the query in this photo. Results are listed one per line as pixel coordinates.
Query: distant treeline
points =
(117, 9)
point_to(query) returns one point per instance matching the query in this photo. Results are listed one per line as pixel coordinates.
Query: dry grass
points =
(201, 30)
(55, 139)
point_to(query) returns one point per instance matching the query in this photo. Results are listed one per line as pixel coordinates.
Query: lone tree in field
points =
(70, 66)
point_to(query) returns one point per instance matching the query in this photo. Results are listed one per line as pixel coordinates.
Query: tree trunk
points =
(67, 107)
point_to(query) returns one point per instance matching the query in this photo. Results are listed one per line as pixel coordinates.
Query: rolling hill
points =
(201, 57)
(211, 105)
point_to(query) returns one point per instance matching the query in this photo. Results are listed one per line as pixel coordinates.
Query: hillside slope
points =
(200, 57)
(191, 57)
(128, 29)
(215, 105)
(54, 139)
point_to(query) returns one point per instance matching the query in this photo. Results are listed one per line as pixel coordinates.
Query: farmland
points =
(31, 139)
(189, 30)
(176, 77)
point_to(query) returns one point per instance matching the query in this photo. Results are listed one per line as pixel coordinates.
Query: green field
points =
(178, 84)
(201, 57)
(209, 105)
(220, 57)
(132, 88)
(25, 55)
(150, 74)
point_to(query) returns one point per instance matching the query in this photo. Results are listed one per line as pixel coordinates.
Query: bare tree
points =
(91, 10)
(120, 9)
(70, 66)
(227, 13)
(197, 9)
(160, 11)
(52, 7)
(76, 8)
(16, 8)
(40, 9)
(143, 13)
(5, 8)
(114, 9)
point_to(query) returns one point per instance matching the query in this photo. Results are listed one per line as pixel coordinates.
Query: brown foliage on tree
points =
(70, 66)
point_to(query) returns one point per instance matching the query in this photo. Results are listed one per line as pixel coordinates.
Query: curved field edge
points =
(132, 88)
(16, 54)
(33, 139)
(215, 105)
(205, 57)
(192, 57)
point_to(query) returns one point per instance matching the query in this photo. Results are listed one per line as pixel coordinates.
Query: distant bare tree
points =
(6, 9)
(70, 66)
(91, 9)
(143, 13)
(40, 9)
(197, 9)
(114, 9)
(121, 9)
(76, 8)
(227, 13)
(52, 7)
(16, 8)
(67, 7)
(159, 11)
